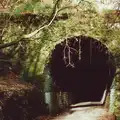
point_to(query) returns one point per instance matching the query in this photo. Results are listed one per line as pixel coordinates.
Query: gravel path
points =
(86, 113)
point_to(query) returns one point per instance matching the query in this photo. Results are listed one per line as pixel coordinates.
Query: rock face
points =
(87, 113)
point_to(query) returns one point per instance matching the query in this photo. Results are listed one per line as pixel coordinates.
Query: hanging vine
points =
(79, 51)
(68, 51)
(90, 51)
(68, 56)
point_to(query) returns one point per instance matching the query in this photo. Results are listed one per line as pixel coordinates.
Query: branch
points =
(31, 34)
(36, 31)
(7, 61)
(74, 6)
(45, 25)
(10, 44)
(52, 17)
(69, 58)
(71, 6)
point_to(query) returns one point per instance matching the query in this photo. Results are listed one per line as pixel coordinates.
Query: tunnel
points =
(82, 66)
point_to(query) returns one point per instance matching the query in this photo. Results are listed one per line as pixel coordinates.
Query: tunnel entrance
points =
(82, 66)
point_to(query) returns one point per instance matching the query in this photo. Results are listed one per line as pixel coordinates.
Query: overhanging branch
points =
(10, 44)
(51, 19)
(25, 37)
(36, 31)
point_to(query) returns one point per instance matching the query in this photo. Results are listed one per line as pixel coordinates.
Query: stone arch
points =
(89, 73)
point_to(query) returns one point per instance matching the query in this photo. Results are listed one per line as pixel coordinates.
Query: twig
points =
(64, 53)
(52, 17)
(68, 7)
(10, 44)
(45, 25)
(79, 48)
(25, 37)
(67, 47)
(69, 58)
(36, 31)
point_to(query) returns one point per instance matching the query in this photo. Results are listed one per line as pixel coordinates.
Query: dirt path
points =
(86, 113)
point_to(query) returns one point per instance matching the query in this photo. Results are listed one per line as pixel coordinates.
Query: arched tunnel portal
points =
(83, 66)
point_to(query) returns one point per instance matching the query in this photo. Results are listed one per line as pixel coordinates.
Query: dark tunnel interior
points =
(91, 70)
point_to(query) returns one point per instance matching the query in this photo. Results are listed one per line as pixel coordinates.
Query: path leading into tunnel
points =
(86, 113)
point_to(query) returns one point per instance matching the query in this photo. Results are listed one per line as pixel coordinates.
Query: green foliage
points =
(32, 6)
(83, 19)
